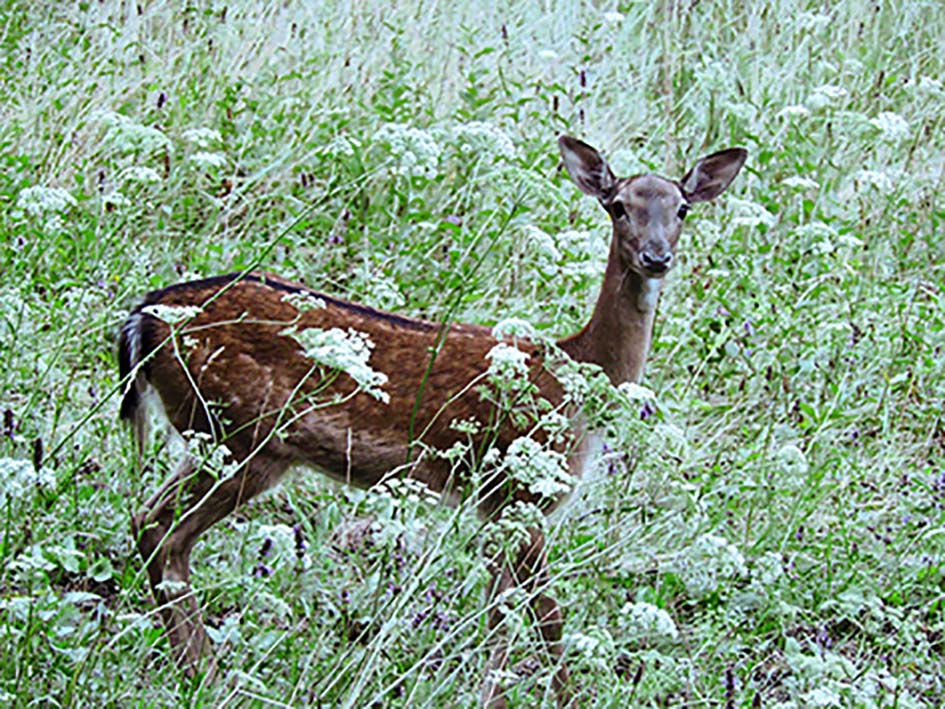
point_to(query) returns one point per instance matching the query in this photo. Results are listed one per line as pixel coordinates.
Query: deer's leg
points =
(526, 571)
(188, 504)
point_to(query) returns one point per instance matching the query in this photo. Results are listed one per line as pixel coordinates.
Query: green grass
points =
(785, 508)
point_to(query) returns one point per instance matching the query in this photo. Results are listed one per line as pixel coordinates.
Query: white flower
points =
(484, 139)
(207, 161)
(544, 472)
(613, 18)
(893, 127)
(794, 111)
(513, 328)
(508, 366)
(769, 568)
(303, 301)
(18, 477)
(39, 200)
(172, 314)
(791, 460)
(645, 621)
(414, 150)
(384, 293)
(708, 563)
(202, 137)
(543, 244)
(342, 145)
(128, 135)
(825, 96)
(139, 173)
(345, 351)
(799, 183)
(880, 180)
(636, 392)
(748, 213)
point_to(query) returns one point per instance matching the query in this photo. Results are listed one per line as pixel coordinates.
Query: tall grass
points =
(772, 536)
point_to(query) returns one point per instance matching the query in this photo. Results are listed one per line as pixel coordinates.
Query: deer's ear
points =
(588, 170)
(713, 174)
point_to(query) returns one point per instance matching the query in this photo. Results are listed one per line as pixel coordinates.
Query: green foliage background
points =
(785, 506)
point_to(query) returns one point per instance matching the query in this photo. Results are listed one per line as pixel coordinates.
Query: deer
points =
(231, 372)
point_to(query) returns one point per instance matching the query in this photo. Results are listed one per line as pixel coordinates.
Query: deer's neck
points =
(618, 334)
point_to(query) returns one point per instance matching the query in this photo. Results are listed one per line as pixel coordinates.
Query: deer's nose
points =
(656, 263)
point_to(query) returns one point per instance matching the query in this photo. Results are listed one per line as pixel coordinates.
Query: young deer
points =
(230, 371)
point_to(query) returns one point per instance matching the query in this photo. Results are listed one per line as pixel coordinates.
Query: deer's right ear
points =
(589, 171)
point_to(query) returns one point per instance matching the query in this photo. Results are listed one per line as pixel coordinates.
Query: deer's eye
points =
(617, 210)
(683, 210)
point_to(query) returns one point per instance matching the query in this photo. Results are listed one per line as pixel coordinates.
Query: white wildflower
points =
(469, 427)
(384, 293)
(645, 621)
(709, 563)
(513, 328)
(19, 477)
(613, 18)
(513, 528)
(484, 140)
(304, 301)
(820, 237)
(39, 200)
(794, 111)
(636, 392)
(768, 569)
(548, 55)
(172, 314)
(280, 543)
(202, 137)
(543, 244)
(415, 151)
(875, 178)
(128, 135)
(927, 85)
(508, 367)
(140, 174)
(796, 182)
(116, 199)
(826, 96)
(791, 460)
(893, 127)
(208, 161)
(345, 351)
(849, 241)
(813, 20)
(342, 146)
(822, 697)
(751, 214)
(544, 472)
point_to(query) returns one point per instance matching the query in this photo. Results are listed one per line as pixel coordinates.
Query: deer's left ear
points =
(713, 174)
(589, 171)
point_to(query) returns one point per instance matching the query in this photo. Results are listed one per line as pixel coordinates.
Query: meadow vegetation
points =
(767, 531)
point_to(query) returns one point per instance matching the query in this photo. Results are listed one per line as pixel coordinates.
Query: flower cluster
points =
(708, 564)
(508, 367)
(543, 471)
(646, 622)
(129, 136)
(415, 151)
(346, 351)
(484, 140)
(38, 200)
(20, 476)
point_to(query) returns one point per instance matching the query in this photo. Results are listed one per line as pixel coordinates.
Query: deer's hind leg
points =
(528, 571)
(168, 526)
